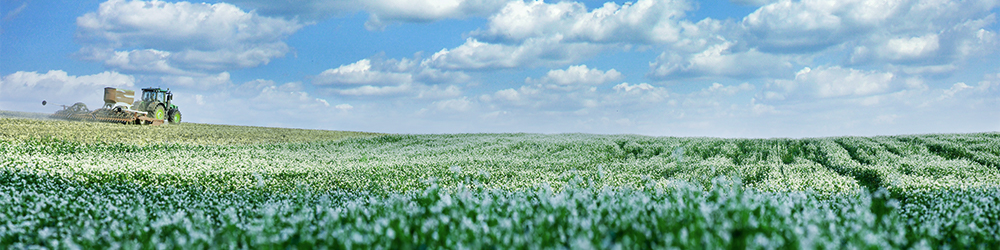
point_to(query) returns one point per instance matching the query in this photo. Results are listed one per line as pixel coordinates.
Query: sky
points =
(738, 68)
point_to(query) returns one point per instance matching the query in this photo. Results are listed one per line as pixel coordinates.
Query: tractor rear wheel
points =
(159, 113)
(175, 116)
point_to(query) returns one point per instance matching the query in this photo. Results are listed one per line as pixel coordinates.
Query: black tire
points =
(174, 116)
(159, 113)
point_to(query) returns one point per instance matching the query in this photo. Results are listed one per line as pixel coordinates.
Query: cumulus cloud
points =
(197, 82)
(836, 82)
(625, 87)
(438, 92)
(534, 52)
(910, 48)
(573, 88)
(643, 93)
(719, 89)
(259, 102)
(369, 90)
(721, 60)
(810, 25)
(813, 25)
(458, 104)
(379, 77)
(286, 97)
(986, 93)
(645, 21)
(754, 2)
(915, 37)
(180, 38)
(933, 51)
(540, 34)
(25, 90)
(575, 91)
(361, 72)
(578, 75)
(381, 12)
(310, 10)
(344, 107)
(384, 12)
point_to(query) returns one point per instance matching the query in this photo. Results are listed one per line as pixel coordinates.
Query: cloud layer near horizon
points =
(789, 68)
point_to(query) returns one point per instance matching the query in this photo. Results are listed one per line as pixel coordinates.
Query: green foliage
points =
(51, 212)
(97, 185)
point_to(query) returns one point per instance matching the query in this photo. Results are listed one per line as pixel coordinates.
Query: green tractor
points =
(157, 103)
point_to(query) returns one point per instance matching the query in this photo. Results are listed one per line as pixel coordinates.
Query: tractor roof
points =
(156, 89)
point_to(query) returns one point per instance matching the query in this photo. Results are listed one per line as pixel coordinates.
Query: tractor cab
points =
(156, 94)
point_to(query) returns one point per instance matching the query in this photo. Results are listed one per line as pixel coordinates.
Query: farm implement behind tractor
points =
(154, 109)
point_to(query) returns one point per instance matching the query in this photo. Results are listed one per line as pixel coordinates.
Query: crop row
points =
(47, 211)
(904, 165)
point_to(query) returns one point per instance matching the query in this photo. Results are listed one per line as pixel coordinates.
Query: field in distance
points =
(905, 191)
(237, 157)
(24, 125)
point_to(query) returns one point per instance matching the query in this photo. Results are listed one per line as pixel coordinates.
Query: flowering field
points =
(65, 184)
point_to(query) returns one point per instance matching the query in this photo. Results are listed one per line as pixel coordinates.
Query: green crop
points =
(199, 185)
(42, 210)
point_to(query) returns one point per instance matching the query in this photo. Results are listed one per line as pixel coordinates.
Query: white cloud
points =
(437, 92)
(180, 38)
(25, 90)
(369, 90)
(645, 21)
(754, 2)
(637, 94)
(956, 88)
(814, 25)
(381, 12)
(361, 72)
(259, 102)
(387, 11)
(930, 52)
(146, 60)
(546, 96)
(807, 25)
(578, 75)
(836, 82)
(719, 89)
(274, 98)
(865, 106)
(910, 48)
(197, 82)
(988, 90)
(720, 60)
(459, 104)
(916, 37)
(533, 52)
(629, 88)
(505, 94)
(344, 107)
(390, 77)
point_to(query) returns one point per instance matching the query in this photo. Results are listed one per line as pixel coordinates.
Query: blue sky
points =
(741, 68)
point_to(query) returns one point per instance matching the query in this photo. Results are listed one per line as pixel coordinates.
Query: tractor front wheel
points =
(175, 116)
(159, 113)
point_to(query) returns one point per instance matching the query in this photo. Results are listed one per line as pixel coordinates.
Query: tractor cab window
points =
(148, 96)
(153, 96)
